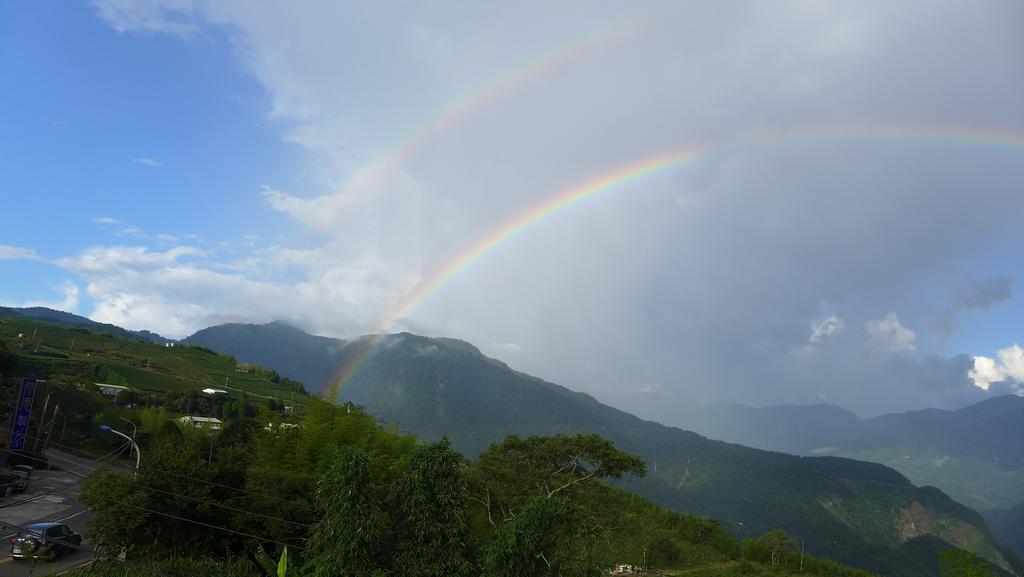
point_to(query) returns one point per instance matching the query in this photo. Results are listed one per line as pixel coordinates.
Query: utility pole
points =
(72, 349)
(801, 554)
(42, 419)
(49, 430)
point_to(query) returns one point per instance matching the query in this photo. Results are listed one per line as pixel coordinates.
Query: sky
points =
(840, 223)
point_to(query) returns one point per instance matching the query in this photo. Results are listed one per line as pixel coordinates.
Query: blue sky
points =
(165, 136)
(172, 164)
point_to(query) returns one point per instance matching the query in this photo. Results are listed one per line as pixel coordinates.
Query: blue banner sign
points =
(19, 425)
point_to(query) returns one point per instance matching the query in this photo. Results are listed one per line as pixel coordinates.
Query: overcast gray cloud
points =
(776, 268)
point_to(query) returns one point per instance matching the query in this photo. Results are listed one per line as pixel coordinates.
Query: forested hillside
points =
(863, 514)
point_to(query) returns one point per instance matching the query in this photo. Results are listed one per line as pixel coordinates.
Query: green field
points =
(45, 349)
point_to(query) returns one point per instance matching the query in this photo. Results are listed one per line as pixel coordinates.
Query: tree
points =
(547, 537)
(346, 541)
(511, 472)
(960, 563)
(116, 514)
(777, 542)
(429, 503)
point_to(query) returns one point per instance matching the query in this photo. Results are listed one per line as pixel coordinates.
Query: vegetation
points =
(156, 373)
(344, 493)
(387, 504)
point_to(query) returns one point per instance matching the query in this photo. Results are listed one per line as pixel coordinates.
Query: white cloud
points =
(888, 335)
(1009, 367)
(629, 279)
(71, 298)
(169, 16)
(146, 161)
(828, 327)
(507, 347)
(8, 252)
(106, 220)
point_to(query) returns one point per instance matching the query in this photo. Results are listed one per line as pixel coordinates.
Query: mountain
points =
(1008, 526)
(310, 359)
(799, 429)
(62, 318)
(41, 349)
(863, 514)
(973, 453)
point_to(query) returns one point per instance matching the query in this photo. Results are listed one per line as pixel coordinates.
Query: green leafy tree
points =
(514, 471)
(777, 542)
(547, 537)
(429, 504)
(346, 541)
(116, 518)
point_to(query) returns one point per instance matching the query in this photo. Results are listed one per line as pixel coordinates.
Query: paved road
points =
(54, 498)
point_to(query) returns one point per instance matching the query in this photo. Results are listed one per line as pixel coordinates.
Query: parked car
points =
(27, 469)
(44, 541)
(19, 481)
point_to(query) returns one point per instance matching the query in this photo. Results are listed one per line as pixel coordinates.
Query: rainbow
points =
(472, 103)
(629, 173)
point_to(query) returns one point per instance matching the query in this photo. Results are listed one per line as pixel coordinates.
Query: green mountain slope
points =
(31, 348)
(1008, 526)
(973, 453)
(303, 357)
(55, 317)
(862, 514)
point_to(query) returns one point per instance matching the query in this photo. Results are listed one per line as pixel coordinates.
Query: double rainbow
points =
(628, 173)
(475, 101)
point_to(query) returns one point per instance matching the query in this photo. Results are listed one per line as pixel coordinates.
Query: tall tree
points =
(514, 471)
(548, 537)
(346, 541)
(431, 529)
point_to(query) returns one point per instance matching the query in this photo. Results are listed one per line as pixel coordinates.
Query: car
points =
(6, 482)
(27, 469)
(44, 541)
(19, 481)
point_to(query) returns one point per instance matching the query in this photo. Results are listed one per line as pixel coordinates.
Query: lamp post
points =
(138, 454)
(135, 428)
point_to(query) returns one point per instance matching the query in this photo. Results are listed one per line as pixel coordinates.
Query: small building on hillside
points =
(110, 390)
(201, 422)
(209, 391)
(271, 427)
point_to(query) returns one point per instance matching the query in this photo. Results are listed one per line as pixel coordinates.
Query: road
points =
(54, 498)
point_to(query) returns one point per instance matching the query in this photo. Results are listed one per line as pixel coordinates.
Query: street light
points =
(138, 454)
(135, 429)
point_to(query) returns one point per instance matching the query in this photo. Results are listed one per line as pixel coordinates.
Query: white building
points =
(110, 390)
(202, 422)
(209, 391)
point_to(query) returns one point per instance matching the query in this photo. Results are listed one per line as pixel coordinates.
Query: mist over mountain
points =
(861, 513)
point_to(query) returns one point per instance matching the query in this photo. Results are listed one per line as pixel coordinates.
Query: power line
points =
(238, 489)
(216, 504)
(203, 524)
(95, 553)
(59, 489)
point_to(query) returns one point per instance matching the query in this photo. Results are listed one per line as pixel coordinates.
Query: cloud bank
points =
(776, 268)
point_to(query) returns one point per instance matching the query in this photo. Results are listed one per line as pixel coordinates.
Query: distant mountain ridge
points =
(62, 318)
(859, 513)
(311, 359)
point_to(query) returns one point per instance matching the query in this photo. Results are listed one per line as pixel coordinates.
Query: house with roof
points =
(210, 423)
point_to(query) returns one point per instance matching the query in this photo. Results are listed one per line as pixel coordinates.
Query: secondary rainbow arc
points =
(617, 177)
